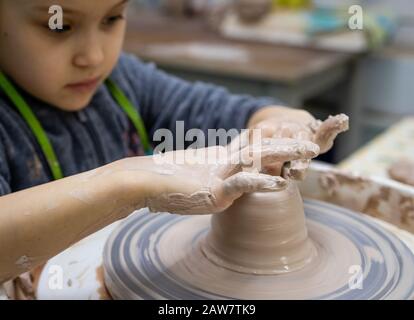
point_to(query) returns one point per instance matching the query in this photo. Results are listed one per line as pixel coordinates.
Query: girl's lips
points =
(87, 85)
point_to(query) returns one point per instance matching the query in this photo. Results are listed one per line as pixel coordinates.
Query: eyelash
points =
(114, 19)
(108, 22)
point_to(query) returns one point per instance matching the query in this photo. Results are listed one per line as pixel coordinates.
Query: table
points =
(169, 42)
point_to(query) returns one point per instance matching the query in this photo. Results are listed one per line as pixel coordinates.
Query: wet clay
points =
(261, 233)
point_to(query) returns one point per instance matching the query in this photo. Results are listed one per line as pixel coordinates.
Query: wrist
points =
(136, 180)
(133, 186)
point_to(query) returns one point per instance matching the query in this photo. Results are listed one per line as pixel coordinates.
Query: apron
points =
(41, 137)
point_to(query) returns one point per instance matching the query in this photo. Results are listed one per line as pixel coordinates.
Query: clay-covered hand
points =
(301, 126)
(208, 180)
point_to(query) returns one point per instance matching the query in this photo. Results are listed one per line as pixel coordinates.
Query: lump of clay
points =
(261, 233)
(402, 171)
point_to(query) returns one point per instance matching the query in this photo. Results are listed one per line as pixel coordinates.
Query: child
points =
(66, 143)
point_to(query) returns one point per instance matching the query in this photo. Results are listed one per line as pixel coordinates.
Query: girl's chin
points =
(74, 103)
(73, 107)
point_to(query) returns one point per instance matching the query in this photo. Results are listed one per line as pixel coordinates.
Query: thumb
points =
(248, 182)
(327, 131)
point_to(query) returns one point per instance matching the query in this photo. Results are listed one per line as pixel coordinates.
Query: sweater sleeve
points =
(4, 168)
(165, 99)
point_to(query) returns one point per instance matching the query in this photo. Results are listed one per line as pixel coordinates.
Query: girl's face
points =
(61, 67)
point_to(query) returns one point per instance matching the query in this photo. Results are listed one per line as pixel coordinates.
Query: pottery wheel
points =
(160, 256)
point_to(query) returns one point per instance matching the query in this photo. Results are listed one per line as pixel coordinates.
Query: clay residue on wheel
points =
(102, 291)
(362, 195)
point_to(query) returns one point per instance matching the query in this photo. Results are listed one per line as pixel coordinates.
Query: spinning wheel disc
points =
(160, 256)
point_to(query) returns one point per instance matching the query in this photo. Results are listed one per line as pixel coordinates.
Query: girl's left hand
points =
(300, 125)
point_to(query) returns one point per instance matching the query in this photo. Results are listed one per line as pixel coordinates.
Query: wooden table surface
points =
(151, 36)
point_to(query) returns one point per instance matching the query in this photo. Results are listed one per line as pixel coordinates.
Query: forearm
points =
(38, 223)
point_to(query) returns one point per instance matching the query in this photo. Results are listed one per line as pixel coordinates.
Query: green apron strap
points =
(41, 136)
(132, 113)
(34, 125)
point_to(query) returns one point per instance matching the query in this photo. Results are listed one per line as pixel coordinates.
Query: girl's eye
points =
(112, 20)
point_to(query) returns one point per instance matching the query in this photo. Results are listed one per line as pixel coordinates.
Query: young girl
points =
(73, 112)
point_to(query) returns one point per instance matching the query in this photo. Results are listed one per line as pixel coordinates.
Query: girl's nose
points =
(90, 54)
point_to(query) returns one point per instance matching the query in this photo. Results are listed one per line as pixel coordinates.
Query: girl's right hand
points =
(208, 180)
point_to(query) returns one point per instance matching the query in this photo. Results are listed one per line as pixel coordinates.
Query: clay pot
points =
(261, 233)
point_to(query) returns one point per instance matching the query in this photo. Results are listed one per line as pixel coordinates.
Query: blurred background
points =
(325, 56)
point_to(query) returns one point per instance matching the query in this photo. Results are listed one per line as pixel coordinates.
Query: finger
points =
(26, 283)
(249, 136)
(267, 128)
(240, 141)
(268, 153)
(326, 132)
(247, 182)
(272, 151)
(296, 169)
(291, 130)
(303, 135)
